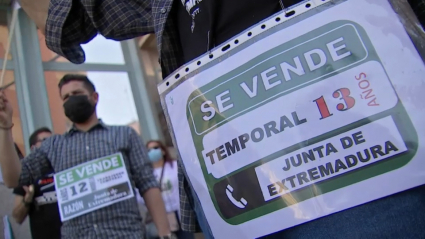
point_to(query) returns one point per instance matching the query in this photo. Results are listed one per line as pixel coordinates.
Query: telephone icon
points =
(238, 203)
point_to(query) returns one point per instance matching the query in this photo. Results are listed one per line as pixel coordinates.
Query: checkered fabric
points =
(61, 152)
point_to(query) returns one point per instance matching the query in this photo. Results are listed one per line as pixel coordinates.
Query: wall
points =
(149, 62)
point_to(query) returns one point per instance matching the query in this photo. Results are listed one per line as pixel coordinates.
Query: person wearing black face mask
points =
(79, 108)
(90, 139)
(79, 102)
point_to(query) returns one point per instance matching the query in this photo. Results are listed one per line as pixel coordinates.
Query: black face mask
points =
(78, 108)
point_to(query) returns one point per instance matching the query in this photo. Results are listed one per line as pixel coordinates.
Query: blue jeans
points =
(183, 234)
(202, 221)
(400, 216)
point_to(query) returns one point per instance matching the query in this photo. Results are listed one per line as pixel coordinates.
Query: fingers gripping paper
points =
(301, 117)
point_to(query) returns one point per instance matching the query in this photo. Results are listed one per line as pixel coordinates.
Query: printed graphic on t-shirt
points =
(47, 193)
(192, 8)
(166, 185)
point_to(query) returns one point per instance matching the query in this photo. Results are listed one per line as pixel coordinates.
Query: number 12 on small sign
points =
(78, 188)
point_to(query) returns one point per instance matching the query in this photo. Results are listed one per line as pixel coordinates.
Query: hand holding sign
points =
(29, 193)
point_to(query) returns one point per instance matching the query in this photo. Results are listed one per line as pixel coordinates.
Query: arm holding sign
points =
(142, 174)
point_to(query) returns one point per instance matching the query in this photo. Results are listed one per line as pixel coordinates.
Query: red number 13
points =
(343, 94)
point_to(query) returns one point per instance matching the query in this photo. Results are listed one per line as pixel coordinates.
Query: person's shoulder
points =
(127, 130)
(55, 137)
(123, 132)
(52, 141)
(119, 127)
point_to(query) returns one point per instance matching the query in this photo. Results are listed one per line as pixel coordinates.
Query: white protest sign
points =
(92, 185)
(307, 120)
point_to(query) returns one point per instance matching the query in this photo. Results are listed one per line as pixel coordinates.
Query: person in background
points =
(165, 171)
(87, 140)
(38, 200)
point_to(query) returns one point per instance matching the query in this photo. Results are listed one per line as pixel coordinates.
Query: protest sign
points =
(304, 115)
(92, 185)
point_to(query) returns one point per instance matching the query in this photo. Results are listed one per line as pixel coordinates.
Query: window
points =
(99, 51)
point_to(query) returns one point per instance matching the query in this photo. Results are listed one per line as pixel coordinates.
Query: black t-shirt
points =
(203, 24)
(44, 215)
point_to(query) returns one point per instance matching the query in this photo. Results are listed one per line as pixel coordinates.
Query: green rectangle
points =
(88, 169)
(293, 64)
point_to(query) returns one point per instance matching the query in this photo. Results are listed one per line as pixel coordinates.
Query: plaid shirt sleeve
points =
(188, 218)
(141, 169)
(36, 163)
(72, 23)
